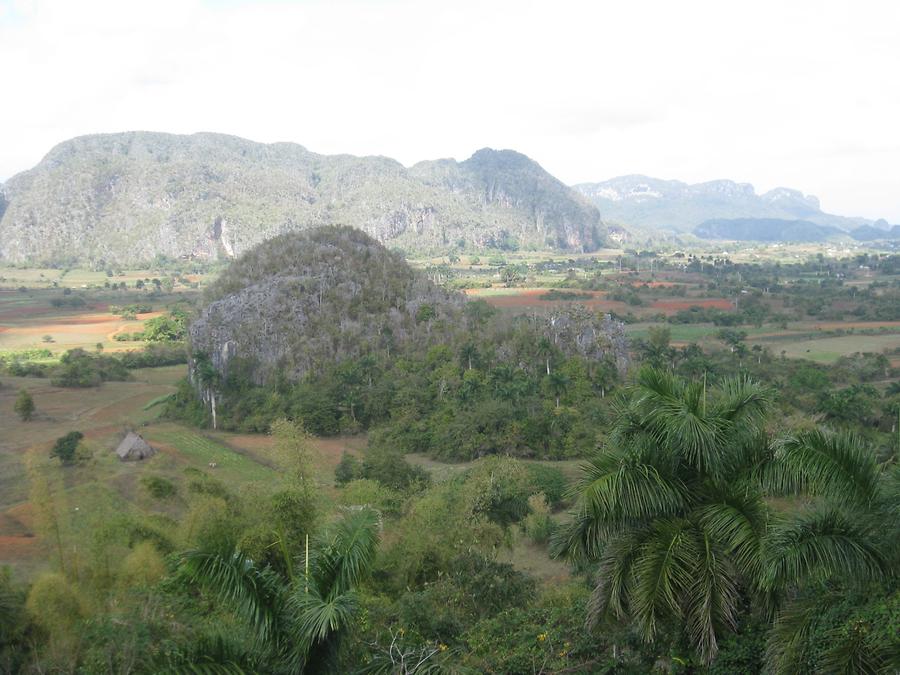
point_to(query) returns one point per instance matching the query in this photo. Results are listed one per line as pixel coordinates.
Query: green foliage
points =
(365, 492)
(538, 524)
(548, 481)
(390, 469)
(672, 509)
(24, 406)
(79, 368)
(171, 328)
(159, 487)
(348, 469)
(65, 446)
(56, 605)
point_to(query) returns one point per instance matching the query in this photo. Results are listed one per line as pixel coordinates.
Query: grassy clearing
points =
(199, 451)
(829, 350)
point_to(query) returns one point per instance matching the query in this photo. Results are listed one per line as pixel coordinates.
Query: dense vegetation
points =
(391, 351)
(735, 512)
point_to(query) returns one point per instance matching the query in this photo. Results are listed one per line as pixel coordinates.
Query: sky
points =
(788, 93)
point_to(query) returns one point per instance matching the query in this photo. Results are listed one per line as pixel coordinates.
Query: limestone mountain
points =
(124, 198)
(300, 301)
(672, 205)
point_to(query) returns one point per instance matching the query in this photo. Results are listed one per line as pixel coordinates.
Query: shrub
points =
(549, 481)
(348, 469)
(538, 524)
(159, 487)
(55, 604)
(365, 492)
(65, 446)
(144, 566)
(24, 405)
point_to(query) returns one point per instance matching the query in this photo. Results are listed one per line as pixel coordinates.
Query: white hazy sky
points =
(793, 93)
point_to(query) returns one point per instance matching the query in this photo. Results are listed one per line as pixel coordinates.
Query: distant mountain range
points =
(126, 198)
(723, 209)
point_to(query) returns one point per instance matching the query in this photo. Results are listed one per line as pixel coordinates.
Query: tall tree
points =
(674, 510)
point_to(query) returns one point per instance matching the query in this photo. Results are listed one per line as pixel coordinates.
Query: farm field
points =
(29, 321)
(48, 277)
(830, 349)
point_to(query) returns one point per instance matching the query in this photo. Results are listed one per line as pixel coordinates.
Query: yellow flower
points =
(442, 647)
(542, 637)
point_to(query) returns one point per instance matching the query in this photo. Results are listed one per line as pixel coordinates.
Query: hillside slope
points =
(119, 198)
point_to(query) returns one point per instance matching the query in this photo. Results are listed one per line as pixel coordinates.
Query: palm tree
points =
(299, 621)
(843, 541)
(671, 510)
(557, 383)
(674, 510)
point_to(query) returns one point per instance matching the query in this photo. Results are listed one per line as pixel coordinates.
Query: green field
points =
(829, 350)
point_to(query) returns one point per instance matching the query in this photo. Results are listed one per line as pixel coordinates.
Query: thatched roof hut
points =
(134, 447)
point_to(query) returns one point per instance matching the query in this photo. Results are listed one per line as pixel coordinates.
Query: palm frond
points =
(711, 602)
(833, 464)
(317, 618)
(213, 655)
(743, 402)
(345, 556)
(611, 596)
(852, 653)
(788, 643)
(663, 572)
(737, 522)
(618, 488)
(818, 545)
(255, 594)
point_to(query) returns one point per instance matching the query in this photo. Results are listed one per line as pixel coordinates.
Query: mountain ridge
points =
(656, 203)
(128, 197)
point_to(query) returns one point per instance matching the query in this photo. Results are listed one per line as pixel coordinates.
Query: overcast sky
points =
(782, 93)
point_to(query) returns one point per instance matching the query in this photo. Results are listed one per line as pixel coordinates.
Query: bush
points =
(65, 446)
(55, 604)
(549, 481)
(24, 405)
(79, 368)
(365, 492)
(159, 487)
(144, 566)
(348, 469)
(537, 524)
(392, 470)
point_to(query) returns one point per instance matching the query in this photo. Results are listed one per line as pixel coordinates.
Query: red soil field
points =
(532, 298)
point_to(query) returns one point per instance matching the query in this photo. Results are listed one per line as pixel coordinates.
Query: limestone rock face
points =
(125, 198)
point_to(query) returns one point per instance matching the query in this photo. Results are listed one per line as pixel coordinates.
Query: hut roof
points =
(133, 446)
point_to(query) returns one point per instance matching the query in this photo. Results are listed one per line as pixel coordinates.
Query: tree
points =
(298, 620)
(65, 446)
(657, 350)
(673, 510)
(24, 406)
(731, 337)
